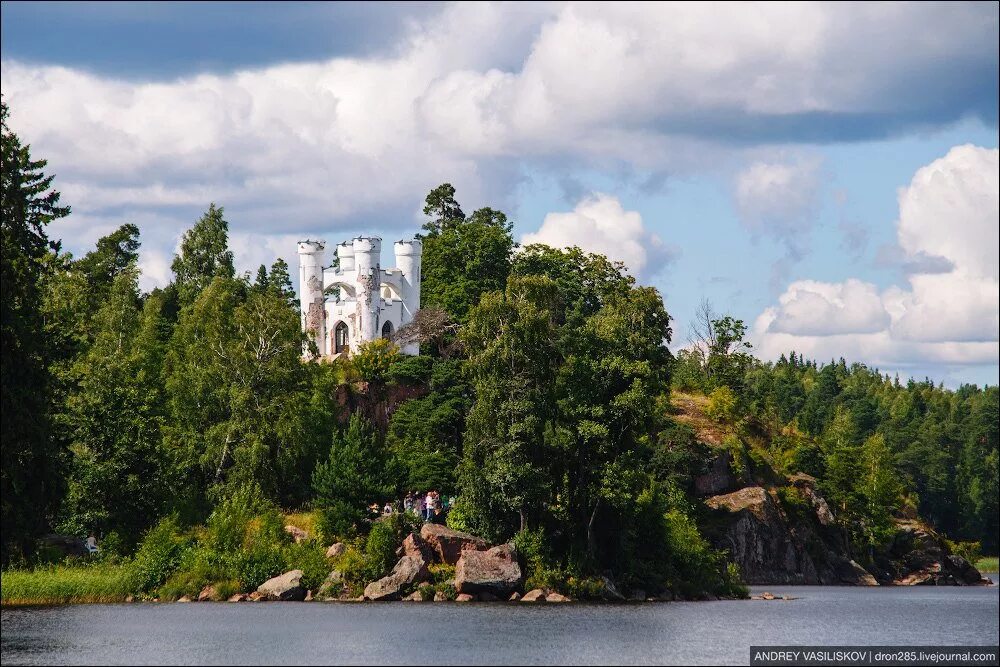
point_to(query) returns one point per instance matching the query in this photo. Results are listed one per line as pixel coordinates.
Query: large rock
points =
(774, 546)
(336, 550)
(919, 556)
(535, 595)
(449, 544)
(416, 547)
(494, 571)
(287, 586)
(408, 571)
(718, 479)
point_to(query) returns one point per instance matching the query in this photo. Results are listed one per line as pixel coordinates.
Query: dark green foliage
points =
(30, 476)
(425, 434)
(119, 472)
(462, 258)
(876, 445)
(351, 478)
(115, 253)
(204, 255)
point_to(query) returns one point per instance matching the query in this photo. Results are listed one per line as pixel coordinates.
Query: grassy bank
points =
(988, 564)
(61, 584)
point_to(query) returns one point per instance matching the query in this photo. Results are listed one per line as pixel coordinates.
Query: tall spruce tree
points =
(29, 479)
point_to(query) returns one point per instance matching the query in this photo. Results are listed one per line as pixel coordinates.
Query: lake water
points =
(428, 633)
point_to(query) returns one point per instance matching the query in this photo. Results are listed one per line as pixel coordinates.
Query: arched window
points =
(386, 293)
(340, 338)
(387, 330)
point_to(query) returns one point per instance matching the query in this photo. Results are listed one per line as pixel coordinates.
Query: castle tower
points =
(368, 275)
(408, 257)
(311, 301)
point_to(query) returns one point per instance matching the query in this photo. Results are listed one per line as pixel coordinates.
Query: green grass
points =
(988, 564)
(61, 584)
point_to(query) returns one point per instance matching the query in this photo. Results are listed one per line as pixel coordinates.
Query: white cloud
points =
(810, 308)
(949, 211)
(600, 224)
(778, 199)
(474, 94)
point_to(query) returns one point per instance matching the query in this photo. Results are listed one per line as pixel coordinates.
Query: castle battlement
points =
(367, 301)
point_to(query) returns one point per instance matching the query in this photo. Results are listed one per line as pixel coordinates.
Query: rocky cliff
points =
(789, 535)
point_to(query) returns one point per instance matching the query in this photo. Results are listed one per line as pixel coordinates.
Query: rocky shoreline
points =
(786, 533)
(759, 534)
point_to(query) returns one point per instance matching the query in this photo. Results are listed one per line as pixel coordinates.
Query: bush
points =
(722, 405)
(441, 572)
(353, 570)
(970, 551)
(311, 559)
(160, 553)
(456, 519)
(380, 547)
(374, 359)
(407, 370)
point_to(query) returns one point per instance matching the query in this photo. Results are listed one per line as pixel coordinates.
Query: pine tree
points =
(29, 479)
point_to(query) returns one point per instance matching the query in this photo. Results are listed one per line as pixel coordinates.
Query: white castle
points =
(373, 302)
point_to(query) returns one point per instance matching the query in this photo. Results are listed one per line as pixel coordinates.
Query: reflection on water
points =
(399, 633)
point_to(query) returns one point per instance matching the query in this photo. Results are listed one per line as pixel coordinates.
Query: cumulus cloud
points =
(600, 224)
(315, 146)
(779, 199)
(948, 314)
(810, 308)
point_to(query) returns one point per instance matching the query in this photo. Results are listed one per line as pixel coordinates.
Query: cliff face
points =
(783, 536)
(789, 535)
(780, 530)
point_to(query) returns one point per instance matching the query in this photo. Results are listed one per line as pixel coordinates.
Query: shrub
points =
(311, 559)
(722, 405)
(407, 370)
(380, 548)
(353, 570)
(457, 519)
(441, 572)
(374, 359)
(970, 551)
(535, 554)
(159, 554)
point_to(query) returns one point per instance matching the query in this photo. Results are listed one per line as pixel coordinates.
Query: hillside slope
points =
(780, 529)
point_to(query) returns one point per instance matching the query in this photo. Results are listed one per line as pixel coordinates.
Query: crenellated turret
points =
(408, 260)
(311, 300)
(370, 302)
(367, 276)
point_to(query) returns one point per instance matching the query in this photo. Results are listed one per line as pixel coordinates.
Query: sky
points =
(826, 172)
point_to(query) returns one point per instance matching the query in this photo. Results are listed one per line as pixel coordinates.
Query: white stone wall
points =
(372, 301)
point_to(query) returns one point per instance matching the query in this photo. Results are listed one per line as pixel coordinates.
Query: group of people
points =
(430, 506)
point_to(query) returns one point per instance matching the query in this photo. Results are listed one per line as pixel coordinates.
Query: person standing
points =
(429, 506)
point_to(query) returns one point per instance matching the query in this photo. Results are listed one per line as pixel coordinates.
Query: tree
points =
(442, 209)
(280, 283)
(239, 402)
(30, 483)
(204, 255)
(880, 486)
(511, 336)
(351, 478)
(117, 478)
(115, 253)
(462, 259)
